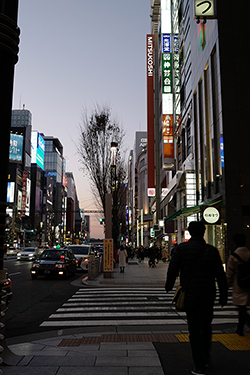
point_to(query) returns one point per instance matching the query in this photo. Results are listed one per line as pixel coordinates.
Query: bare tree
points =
(97, 131)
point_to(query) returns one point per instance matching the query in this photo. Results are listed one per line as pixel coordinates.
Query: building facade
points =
(203, 110)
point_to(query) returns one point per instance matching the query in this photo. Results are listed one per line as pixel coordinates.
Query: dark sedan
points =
(60, 262)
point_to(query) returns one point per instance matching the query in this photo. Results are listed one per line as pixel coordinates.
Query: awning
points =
(192, 210)
(184, 212)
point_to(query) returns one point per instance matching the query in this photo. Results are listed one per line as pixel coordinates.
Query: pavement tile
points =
(95, 371)
(30, 370)
(140, 346)
(74, 361)
(99, 353)
(46, 352)
(27, 346)
(82, 349)
(138, 353)
(127, 346)
(25, 360)
(146, 371)
(128, 361)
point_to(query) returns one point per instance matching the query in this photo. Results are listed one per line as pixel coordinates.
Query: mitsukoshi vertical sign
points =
(150, 115)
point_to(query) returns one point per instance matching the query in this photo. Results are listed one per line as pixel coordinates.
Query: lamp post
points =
(114, 146)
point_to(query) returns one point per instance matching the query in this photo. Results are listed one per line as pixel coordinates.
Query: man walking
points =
(199, 265)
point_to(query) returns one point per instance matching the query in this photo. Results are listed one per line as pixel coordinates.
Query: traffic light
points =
(101, 221)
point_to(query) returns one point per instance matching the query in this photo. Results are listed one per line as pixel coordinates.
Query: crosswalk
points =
(121, 306)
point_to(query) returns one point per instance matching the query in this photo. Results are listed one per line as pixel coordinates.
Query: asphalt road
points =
(34, 300)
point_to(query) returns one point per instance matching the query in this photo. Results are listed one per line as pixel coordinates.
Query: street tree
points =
(97, 131)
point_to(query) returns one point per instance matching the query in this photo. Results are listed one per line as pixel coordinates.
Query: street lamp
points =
(114, 146)
(113, 165)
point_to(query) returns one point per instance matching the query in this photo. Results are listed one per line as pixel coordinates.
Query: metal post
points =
(137, 237)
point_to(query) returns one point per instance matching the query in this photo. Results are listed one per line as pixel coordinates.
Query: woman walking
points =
(122, 254)
(241, 297)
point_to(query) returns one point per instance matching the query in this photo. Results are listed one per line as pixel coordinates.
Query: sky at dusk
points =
(76, 54)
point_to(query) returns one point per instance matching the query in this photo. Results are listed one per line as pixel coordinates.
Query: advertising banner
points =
(24, 193)
(108, 255)
(168, 147)
(19, 201)
(10, 192)
(37, 149)
(16, 147)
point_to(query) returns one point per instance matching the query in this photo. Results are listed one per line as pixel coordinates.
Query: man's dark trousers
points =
(199, 317)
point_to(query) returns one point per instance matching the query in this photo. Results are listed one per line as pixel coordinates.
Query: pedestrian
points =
(173, 249)
(241, 297)
(164, 254)
(122, 254)
(199, 265)
(152, 255)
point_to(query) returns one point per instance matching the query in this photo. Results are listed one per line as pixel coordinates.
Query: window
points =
(189, 140)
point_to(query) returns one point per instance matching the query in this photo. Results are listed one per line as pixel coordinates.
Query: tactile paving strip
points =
(119, 338)
(230, 341)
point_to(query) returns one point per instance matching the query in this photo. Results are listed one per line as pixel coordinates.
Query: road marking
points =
(13, 274)
(125, 307)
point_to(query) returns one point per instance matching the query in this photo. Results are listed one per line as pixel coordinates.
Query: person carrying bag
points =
(180, 293)
(200, 290)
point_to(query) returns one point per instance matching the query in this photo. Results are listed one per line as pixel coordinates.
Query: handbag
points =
(179, 296)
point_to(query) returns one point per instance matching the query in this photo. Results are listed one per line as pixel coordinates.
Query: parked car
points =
(28, 253)
(60, 262)
(82, 254)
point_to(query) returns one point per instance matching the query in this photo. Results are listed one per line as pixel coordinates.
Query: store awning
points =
(184, 212)
(192, 210)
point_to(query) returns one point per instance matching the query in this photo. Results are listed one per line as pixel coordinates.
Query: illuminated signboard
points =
(211, 215)
(168, 83)
(222, 152)
(166, 64)
(24, 193)
(204, 9)
(10, 192)
(16, 147)
(37, 149)
(167, 77)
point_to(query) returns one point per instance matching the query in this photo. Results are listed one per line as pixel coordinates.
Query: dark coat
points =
(210, 269)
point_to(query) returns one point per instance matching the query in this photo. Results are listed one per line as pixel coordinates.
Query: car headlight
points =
(86, 259)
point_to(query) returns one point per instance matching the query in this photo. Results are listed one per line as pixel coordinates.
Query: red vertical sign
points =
(150, 111)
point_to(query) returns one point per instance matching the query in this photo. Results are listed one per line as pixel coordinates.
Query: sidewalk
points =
(135, 274)
(148, 352)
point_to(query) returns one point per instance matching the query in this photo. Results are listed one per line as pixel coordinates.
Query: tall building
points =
(74, 221)
(138, 209)
(201, 101)
(53, 165)
(19, 179)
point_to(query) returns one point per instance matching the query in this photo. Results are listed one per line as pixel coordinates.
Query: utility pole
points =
(9, 41)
